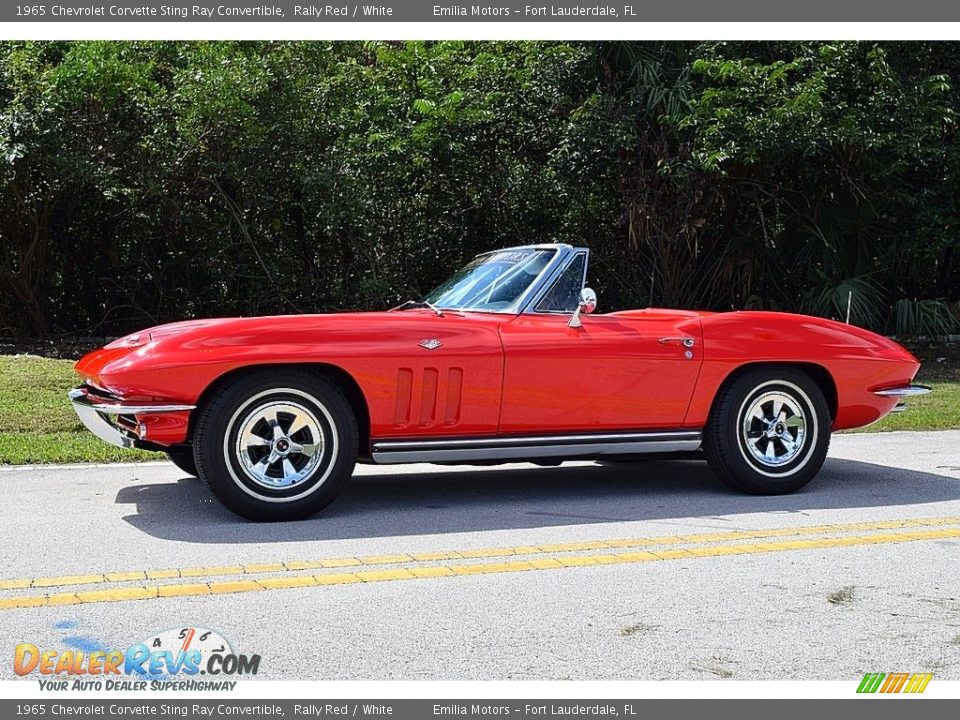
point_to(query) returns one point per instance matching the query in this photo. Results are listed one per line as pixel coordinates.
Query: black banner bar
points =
(615, 11)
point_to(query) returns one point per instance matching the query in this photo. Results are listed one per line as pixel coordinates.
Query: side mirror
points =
(588, 303)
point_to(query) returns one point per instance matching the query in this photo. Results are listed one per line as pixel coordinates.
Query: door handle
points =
(687, 342)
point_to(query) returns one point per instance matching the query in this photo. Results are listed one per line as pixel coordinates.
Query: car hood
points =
(211, 340)
(243, 328)
(150, 363)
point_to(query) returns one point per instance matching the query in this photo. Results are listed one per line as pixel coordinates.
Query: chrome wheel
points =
(768, 431)
(279, 444)
(774, 429)
(276, 443)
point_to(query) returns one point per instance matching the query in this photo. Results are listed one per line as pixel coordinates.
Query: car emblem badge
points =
(430, 344)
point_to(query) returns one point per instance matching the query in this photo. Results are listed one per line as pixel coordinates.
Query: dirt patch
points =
(843, 596)
(640, 629)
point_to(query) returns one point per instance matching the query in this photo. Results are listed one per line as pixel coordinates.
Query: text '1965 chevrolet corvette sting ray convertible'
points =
(505, 361)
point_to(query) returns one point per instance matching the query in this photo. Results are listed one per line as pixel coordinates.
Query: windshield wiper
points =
(418, 303)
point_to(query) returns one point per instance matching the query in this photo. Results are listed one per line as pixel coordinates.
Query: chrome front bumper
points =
(903, 392)
(99, 414)
(907, 391)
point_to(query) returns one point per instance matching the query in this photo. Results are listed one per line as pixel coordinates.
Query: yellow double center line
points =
(142, 585)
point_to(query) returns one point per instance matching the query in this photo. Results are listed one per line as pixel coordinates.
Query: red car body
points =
(505, 375)
(445, 385)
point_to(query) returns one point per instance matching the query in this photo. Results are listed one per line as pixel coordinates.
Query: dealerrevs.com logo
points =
(898, 682)
(168, 660)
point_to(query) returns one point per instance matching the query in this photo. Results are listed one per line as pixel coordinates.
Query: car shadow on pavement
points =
(467, 499)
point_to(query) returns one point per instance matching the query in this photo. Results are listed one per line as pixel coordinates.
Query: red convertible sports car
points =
(505, 361)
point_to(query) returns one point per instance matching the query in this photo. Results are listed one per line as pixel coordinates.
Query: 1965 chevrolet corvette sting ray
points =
(505, 361)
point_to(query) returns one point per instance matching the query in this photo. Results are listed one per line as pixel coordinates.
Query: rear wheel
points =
(769, 431)
(277, 444)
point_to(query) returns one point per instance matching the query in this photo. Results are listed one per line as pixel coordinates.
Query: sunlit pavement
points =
(647, 570)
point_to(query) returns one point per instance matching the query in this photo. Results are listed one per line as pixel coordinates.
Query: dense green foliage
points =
(144, 182)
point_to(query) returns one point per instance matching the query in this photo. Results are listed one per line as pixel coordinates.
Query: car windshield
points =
(491, 282)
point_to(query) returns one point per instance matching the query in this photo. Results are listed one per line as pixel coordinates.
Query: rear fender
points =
(855, 361)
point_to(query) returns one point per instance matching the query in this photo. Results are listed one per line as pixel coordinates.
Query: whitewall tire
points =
(276, 444)
(769, 431)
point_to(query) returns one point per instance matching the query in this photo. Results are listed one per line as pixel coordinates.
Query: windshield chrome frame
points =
(562, 254)
(531, 306)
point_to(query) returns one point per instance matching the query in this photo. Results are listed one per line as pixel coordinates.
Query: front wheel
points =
(182, 457)
(276, 444)
(768, 432)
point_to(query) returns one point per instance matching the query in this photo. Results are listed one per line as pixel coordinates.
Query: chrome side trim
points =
(99, 416)
(908, 391)
(530, 448)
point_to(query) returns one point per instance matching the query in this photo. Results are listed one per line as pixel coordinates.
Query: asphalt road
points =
(644, 571)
